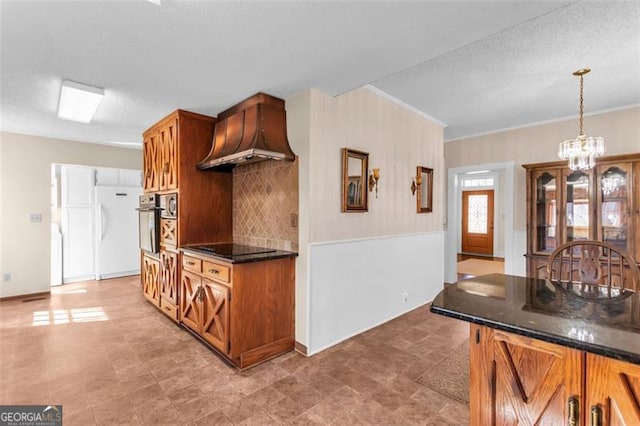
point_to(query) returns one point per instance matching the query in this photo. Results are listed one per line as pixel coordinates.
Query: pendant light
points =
(583, 150)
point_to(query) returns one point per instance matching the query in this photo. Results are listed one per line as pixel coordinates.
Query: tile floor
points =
(109, 357)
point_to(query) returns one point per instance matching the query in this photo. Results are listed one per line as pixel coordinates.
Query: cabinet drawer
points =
(216, 271)
(170, 310)
(191, 263)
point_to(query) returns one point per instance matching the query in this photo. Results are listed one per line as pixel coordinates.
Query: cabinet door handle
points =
(573, 411)
(596, 416)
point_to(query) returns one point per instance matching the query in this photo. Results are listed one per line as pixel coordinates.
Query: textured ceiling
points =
(476, 65)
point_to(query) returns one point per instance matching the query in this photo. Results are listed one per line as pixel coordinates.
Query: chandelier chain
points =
(581, 102)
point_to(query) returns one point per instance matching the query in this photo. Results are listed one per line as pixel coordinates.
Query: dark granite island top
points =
(237, 253)
(594, 321)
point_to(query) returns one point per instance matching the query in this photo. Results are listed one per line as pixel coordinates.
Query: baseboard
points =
(26, 296)
(300, 348)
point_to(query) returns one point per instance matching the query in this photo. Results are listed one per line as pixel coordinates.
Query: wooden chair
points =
(593, 263)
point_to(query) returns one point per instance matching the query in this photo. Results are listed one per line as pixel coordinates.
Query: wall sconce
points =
(415, 184)
(373, 180)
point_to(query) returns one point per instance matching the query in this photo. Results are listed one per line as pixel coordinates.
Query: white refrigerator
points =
(117, 252)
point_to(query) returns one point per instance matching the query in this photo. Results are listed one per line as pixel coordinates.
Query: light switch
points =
(35, 218)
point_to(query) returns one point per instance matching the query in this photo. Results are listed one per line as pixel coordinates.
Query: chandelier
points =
(583, 150)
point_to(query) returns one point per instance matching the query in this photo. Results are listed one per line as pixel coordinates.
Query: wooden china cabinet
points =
(598, 204)
(171, 149)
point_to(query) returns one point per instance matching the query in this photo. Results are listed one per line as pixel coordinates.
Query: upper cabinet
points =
(598, 204)
(171, 149)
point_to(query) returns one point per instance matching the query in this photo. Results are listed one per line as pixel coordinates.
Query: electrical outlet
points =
(35, 218)
(6, 277)
(293, 220)
(405, 296)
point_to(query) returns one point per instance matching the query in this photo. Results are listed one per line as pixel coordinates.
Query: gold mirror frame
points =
(354, 187)
(424, 178)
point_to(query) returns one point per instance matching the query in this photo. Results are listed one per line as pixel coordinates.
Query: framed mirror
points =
(424, 178)
(355, 165)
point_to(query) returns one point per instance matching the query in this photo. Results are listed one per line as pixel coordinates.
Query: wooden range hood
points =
(253, 130)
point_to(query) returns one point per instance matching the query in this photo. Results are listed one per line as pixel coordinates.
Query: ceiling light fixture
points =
(583, 150)
(78, 102)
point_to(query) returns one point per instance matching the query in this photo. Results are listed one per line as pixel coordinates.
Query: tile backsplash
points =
(265, 204)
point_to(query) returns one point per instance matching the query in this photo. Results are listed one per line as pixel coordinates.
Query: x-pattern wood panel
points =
(168, 232)
(215, 319)
(190, 313)
(169, 160)
(614, 386)
(169, 288)
(150, 164)
(528, 391)
(151, 269)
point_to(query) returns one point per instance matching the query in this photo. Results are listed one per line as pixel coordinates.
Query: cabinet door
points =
(190, 305)
(545, 211)
(150, 158)
(168, 134)
(613, 387)
(522, 380)
(150, 279)
(169, 283)
(168, 232)
(215, 314)
(578, 209)
(614, 205)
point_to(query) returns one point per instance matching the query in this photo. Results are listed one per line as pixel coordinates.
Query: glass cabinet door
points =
(545, 211)
(577, 220)
(614, 205)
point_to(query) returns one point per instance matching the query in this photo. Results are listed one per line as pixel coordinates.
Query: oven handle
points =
(148, 209)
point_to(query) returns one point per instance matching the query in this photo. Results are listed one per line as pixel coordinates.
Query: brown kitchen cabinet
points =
(172, 148)
(169, 283)
(151, 279)
(243, 310)
(520, 380)
(205, 309)
(598, 204)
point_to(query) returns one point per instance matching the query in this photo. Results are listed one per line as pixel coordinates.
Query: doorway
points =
(477, 222)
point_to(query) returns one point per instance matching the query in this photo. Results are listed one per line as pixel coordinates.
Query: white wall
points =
(25, 179)
(332, 243)
(539, 143)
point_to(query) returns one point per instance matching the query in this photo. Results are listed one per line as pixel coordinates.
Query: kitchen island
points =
(240, 300)
(543, 352)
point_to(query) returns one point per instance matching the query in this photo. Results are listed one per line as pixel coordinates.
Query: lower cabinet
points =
(520, 380)
(169, 284)
(243, 310)
(205, 309)
(151, 279)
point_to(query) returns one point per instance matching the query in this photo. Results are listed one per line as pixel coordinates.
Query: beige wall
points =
(539, 143)
(397, 141)
(25, 178)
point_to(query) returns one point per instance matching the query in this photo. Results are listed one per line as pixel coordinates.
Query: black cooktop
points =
(230, 251)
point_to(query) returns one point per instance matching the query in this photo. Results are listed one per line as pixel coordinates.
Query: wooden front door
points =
(533, 380)
(477, 222)
(613, 388)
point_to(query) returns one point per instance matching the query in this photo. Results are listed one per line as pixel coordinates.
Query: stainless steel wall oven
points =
(149, 223)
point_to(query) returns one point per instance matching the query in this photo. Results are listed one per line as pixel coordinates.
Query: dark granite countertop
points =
(588, 319)
(235, 253)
